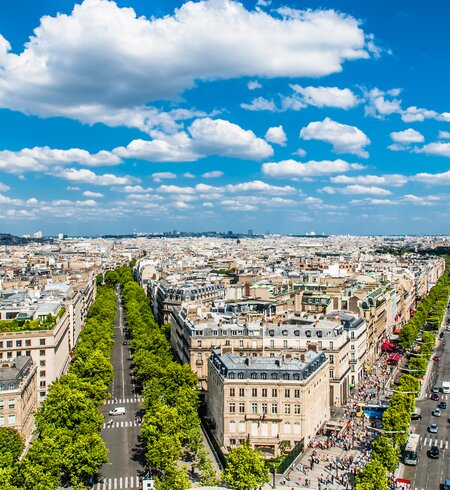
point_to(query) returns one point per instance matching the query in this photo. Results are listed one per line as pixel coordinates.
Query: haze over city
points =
(217, 115)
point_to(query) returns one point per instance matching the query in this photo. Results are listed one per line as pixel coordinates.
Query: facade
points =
(267, 400)
(18, 394)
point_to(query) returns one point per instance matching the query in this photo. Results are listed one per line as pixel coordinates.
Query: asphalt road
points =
(122, 435)
(430, 474)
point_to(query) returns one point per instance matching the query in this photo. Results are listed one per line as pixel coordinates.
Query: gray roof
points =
(16, 370)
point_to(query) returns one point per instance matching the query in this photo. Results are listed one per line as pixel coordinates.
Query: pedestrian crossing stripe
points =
(119, 483)
(112, 401)
(121, 424)
(435, 442)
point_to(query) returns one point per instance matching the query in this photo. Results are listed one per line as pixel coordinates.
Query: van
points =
(416, 415)
(117, 411)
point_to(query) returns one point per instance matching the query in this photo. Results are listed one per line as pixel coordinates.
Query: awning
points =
(394, 358)
(388, 346)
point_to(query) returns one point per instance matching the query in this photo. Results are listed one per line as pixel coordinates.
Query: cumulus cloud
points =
(382, 103)
(214, 174)
(260, 104)
(85, 176)
(158, 176)
(253, 85)
(343, 138)
(327, 96)
(417, 114)
(95, 195)
(292, 168)
(439, 149)
(407, 136)
(444, 135)
(370, 201)
(63, 70)
(387, 179)
(356, 189)
(300, 152)
(4, 187)
(276, 135)
(39, 159)
(442, 178)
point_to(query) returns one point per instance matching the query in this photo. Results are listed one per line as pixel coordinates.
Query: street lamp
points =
(386, 431)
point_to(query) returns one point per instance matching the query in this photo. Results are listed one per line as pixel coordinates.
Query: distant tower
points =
(250, 233)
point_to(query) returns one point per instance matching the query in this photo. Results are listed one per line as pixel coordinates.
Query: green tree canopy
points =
(246, 468)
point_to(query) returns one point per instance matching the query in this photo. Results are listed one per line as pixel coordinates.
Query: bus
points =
(411, 451)
(371, 410)
(445, 387)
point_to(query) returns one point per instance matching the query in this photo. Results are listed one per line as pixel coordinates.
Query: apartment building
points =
(267, 400)
(18, 394)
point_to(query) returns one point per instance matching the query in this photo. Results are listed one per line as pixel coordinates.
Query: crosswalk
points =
(120, 401)
(121, 424)
(119, 483)
(431, 441)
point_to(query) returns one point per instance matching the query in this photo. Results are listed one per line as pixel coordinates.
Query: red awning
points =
(388, 346)
(394, 358)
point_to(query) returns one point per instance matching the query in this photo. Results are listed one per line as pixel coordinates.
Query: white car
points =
(437, 412)
(117, 411)
(433, 428)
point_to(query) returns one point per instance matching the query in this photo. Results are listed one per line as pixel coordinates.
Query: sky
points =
(216, 115)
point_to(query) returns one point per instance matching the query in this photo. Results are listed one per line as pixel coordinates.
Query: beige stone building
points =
(18, 394)
(267, 400)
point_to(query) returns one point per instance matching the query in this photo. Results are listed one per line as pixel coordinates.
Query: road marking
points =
(446, 444)
(115, 483)
(120, 483)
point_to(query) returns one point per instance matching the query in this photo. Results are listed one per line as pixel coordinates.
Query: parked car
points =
(437, 412)
(433, 428)
(416, 415)
(436, 358)
(441, 335)
(434, 396)
(433, 452)
(447, 484)
(442, 405)
(435, 389)
(125, 342)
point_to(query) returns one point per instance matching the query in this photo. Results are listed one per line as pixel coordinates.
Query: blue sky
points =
(217, 115)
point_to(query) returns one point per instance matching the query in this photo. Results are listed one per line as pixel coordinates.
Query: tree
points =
(11, 446)
(372, 477)
(246, 469)
(385, 453)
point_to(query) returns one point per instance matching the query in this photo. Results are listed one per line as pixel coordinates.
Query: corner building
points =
(267, 400)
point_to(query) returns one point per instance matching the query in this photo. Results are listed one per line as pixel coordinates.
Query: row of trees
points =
(171, 425)
(68, 448)
(397, 418)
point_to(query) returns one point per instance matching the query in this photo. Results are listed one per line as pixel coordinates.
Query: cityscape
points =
(224, 245)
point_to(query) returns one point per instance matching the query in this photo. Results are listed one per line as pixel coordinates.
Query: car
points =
(433, 452)
(442, 335)
(125, 342)
(442, 405)
(447, 484)
(448, 328)
(437, 412)
(416, 416)
(436, 358)
(435, 389)
(433, 428)
(117, 411)
(434, 396)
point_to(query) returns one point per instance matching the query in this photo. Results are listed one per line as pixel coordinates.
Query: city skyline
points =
(223, 115)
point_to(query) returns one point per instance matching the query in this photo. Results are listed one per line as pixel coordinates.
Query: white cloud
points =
(442, 178)
(63, 70)
(276, 135)
(85, 176)
(93, 194)
(430, 200)
(260, 104)
(398, 147)
(263, 3)
(327, 96)
(259, 186)
(4, 187)
(39, 159)
(188, 175)
(292, 168)
(416, 114)
(344, 138)
(300, 152)
(444, 135)
(158, 176)
(356, 189)
(253, 85)
(73, 188)
(440, 149)
(133, 189)
(382, 103)
(387, 179)
(370, 201)
(214, 174)
(407, 136)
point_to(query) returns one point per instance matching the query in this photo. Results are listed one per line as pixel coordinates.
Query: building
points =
(267, 400)
(18, 394)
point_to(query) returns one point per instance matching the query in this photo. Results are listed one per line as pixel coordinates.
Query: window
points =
(331, 345)
(241, 375)
(254, 408)
(286, 376)
(232, 392)
(42, 393)
(285, 344)
(227, 343)
(42, 374)
(297, 409)
(264, 392)
(28, 353)
(11, 404)
(11, 420)
(1, 344)
(11, 386)
(9, 343)
(352, 356)
(28, 343)
(331, 374)
(18, 353)
(272, 344)
(18, 343)
(232, 442)
(242, 407)
(263, 375)
(287, 409)
(253, 376)
(274, 408)
(264, 407)
(199, 343)
(241, 344)
(231, 375)
(331, 358)
(42, 353)
(296, 376)
(254, 392)
(1, 405)
(274, 376)
(41, 341)
(2, 387)
(42, 384)
(287, 393)
(2, 421)
(232, 407)
(241, 392)
(199, 356)
(9, 355)
(296, 393)
(274, 392)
